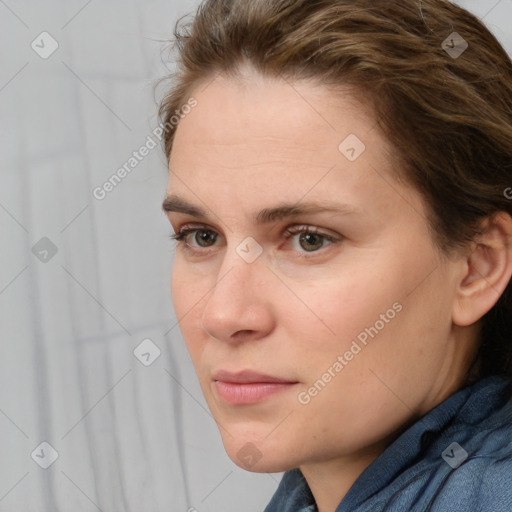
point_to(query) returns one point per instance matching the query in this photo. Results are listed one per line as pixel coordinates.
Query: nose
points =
(239, 308)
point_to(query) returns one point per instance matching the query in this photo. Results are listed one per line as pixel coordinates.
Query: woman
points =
(340, 194)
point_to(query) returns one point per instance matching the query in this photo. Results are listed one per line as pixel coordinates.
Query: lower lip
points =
(235, 393)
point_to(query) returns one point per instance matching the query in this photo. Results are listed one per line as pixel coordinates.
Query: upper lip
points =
(247, 377)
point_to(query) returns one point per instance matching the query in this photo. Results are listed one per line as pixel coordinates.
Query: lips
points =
(248, 387)
(247, 377)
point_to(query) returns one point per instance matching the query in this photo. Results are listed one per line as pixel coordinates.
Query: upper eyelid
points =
(189, 227)
(296, 227)
(292, 230)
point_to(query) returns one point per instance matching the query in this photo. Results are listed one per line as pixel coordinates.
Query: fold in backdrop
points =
(100, 409)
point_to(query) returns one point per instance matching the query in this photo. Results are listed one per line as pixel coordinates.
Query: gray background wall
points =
(83, 281)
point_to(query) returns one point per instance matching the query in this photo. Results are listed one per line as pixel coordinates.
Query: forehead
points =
(252, 107)
(267, 119)
(267, 139)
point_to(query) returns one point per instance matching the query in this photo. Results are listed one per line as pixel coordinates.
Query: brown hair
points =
(449, 116)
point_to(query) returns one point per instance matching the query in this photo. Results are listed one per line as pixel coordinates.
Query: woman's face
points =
(316, 310)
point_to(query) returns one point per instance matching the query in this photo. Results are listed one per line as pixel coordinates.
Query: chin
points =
(256, 456)
(256, 462)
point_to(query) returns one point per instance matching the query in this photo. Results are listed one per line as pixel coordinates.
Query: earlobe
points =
(487, 270)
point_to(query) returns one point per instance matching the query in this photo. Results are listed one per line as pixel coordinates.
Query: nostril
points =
(243, 334)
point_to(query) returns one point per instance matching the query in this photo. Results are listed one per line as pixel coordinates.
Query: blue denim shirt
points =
(456, 458)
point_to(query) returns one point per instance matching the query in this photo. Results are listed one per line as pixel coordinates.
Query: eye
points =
(195, 237)
(304, 239)
(308, 239)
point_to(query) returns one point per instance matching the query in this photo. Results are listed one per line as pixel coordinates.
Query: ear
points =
(486, 270)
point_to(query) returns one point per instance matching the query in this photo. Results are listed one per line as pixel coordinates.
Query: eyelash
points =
(288, 233)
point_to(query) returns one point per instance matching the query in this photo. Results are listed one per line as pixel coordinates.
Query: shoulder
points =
(478, 471)
(483, 483)
(496, 485)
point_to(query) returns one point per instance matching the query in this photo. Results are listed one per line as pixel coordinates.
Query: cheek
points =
(392, 331)
(186, 288)
(371, 312)
(186, 294)
(341, 307)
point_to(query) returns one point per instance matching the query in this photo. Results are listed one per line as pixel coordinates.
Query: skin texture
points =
(257, 143)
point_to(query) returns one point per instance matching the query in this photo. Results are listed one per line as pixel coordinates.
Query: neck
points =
(330, 480)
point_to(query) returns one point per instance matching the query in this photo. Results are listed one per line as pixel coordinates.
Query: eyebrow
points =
(267, 215)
